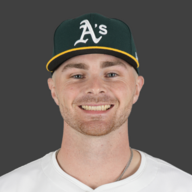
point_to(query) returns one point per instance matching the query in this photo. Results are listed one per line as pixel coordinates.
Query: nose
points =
(95, 85)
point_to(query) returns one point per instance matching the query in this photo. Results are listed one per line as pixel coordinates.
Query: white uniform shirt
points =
(45, 175)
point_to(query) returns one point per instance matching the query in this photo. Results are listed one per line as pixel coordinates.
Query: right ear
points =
(53, 90)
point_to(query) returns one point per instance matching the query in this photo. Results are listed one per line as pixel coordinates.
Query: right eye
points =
(76, 75)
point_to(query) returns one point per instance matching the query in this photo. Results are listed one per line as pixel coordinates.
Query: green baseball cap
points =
(93, 33)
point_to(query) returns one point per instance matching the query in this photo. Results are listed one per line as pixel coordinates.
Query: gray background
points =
(160, 122)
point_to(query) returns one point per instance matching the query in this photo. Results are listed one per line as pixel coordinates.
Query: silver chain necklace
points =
(126, 166)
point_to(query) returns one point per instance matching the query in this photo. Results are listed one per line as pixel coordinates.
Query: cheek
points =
(71, 91)
(67, 94)
(121, 87)
(123, 90)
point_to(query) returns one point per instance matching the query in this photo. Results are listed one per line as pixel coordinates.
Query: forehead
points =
(85, 61)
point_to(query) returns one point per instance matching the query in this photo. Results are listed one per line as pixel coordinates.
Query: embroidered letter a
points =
(90, 31)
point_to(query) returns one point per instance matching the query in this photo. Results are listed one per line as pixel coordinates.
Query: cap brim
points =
(57, 60)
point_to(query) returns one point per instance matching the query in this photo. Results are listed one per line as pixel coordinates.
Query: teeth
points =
(96, 108)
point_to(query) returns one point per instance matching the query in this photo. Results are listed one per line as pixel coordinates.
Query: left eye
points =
(112, 73)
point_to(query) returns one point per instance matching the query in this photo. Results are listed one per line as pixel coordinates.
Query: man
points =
(95, 82)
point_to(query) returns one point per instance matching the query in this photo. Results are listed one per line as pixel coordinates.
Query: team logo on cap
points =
(87, 29)
(136, 56)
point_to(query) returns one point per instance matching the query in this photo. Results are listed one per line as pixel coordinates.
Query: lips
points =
(96, 110)
(95, 105)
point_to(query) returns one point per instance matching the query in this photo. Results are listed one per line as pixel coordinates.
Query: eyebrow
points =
(86, 67)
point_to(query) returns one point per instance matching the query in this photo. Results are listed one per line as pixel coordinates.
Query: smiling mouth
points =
(96, 109)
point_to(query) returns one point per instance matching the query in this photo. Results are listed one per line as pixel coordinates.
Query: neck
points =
(96, 160)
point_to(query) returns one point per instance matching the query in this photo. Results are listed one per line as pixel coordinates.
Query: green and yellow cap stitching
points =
(93, 33)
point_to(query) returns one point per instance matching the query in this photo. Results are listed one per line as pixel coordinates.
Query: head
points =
(99, 47)
(119, 85)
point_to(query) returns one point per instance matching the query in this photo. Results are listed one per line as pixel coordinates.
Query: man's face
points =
(117, 85)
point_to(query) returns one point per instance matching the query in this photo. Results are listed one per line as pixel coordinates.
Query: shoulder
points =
(22, 177)
(170, 175)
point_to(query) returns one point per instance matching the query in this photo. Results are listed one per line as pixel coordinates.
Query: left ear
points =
(139, 85)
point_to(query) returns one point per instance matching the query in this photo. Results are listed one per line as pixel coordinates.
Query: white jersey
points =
(45, 175)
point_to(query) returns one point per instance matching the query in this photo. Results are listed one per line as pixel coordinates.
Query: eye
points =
(112, 75)
(77, 75)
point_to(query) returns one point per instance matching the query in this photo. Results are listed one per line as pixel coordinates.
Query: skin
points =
(95, 148)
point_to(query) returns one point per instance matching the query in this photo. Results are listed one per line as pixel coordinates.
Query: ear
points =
(139, 85)
(51, 85)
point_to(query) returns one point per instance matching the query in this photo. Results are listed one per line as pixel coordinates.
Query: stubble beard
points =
(95, 126)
